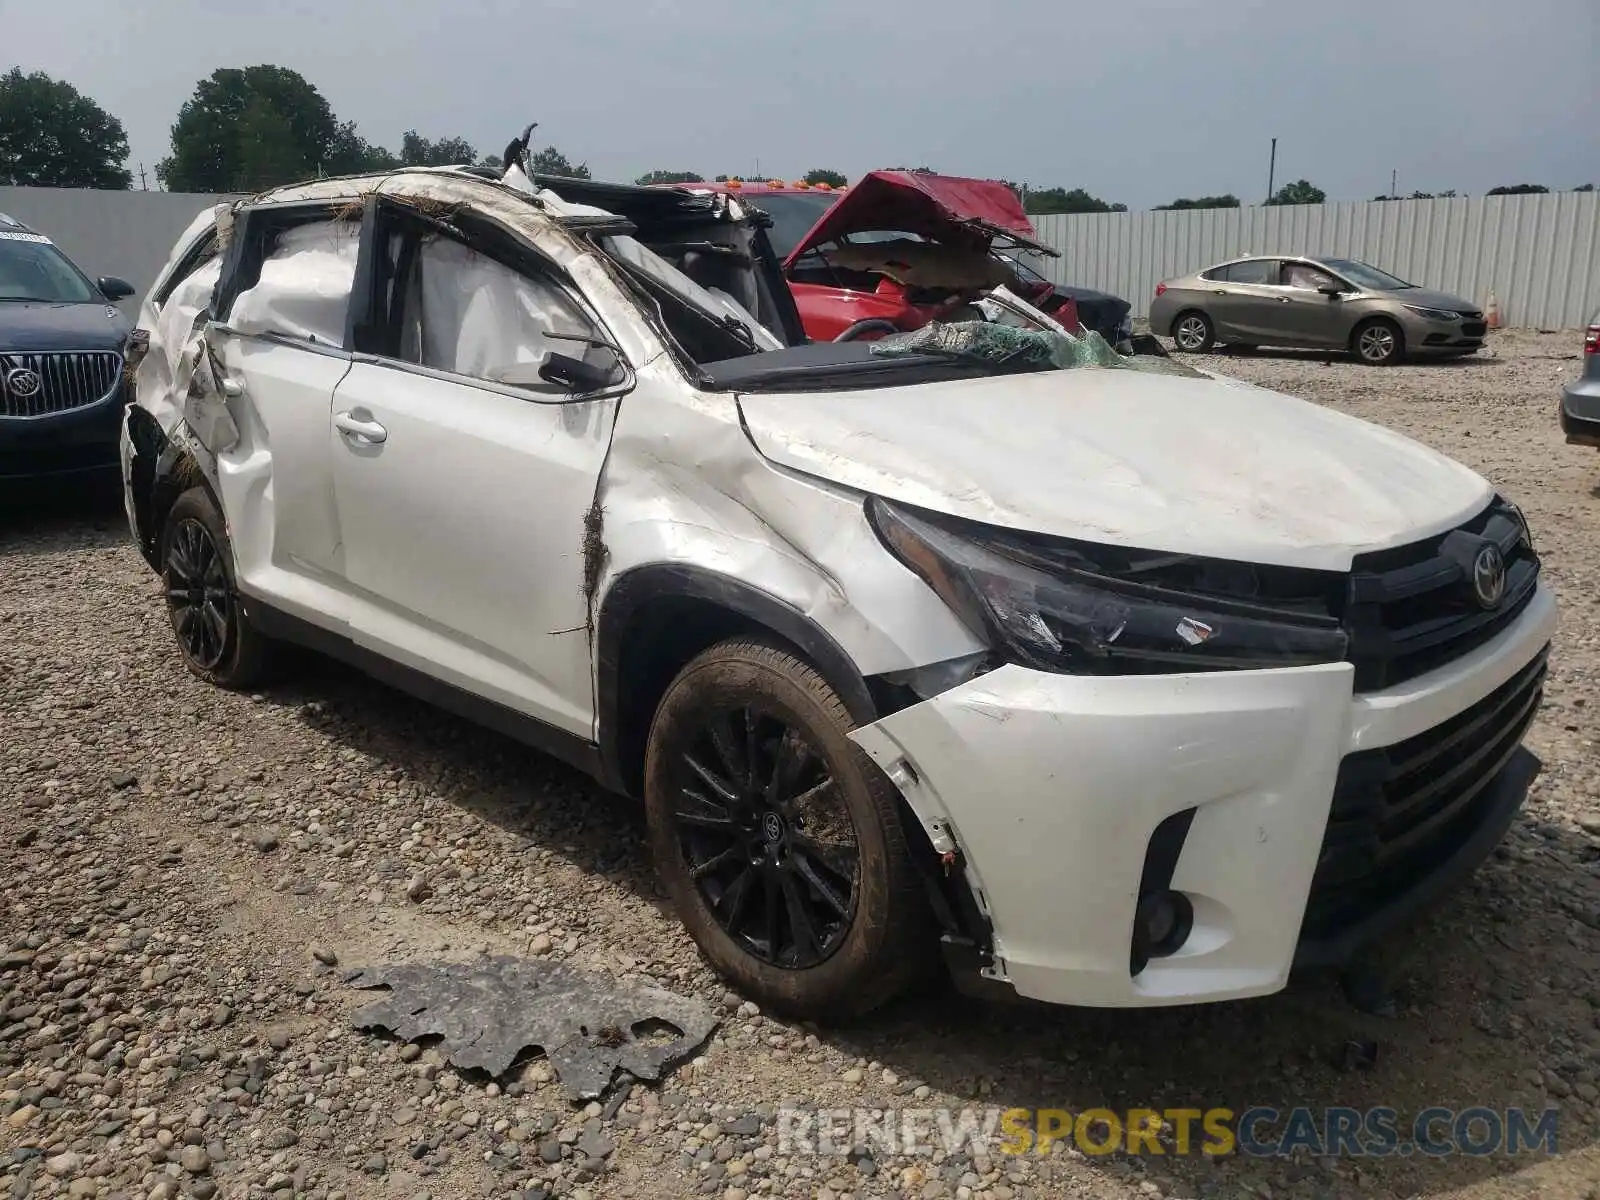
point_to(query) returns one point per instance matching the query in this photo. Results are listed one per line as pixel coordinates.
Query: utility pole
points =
(1272, 167)
(1394, 185)
(143, 186)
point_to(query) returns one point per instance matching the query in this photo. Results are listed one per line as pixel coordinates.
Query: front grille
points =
(1471, 316)
(1401, 811)
(41, 385)
(1415, 608)
(1474, 328)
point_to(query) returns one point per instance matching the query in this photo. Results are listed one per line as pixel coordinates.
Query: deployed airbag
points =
(304, 289)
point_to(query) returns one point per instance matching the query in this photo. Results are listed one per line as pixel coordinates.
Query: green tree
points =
(821, 175)
(551, 161)
(1519, 189)
(1301, 191)
(654, 177)
(1042, 201)
(352, 154)
(213, 138)
(52, 135)
(1584, 187)
(1229, 201)
(418, 151)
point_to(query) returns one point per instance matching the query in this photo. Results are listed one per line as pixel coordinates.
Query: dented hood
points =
(1206, 466)
(942, 208)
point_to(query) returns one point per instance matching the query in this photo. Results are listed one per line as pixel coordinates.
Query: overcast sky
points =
(1136, 100)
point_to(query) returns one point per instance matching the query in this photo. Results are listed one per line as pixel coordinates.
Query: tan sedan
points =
(1320, 303)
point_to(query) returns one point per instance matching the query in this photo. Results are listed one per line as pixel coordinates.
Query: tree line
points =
(251, 128)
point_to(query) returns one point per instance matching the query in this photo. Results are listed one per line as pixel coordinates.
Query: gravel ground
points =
(186, 873)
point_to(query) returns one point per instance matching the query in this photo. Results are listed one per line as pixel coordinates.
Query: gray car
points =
(1580, 399)
(1332, 303)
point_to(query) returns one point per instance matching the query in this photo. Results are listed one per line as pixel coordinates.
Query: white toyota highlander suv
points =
(1123, 683)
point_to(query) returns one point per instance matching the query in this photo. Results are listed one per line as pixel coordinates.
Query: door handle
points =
(354, 426)
(1219, 291)
(1283, 299)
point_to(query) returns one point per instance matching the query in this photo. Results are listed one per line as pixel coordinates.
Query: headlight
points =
(1047, 604)
(1435, 314)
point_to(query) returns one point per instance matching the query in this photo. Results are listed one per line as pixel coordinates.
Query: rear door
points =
(276, 353)
(464, 482)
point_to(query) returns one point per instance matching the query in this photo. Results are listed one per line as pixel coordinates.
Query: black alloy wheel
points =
(766, 837)
(199, 597)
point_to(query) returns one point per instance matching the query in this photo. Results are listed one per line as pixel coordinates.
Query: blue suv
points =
(61, 350)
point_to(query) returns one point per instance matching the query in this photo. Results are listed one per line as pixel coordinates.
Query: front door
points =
(464, 482)
(1307, 316)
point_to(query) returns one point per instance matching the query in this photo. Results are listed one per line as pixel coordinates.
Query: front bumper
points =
(76, 442)
(1427, 336)
(1580, 411)
(1051, 787)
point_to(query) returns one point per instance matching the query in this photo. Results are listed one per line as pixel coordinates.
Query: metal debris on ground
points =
(486, 1013)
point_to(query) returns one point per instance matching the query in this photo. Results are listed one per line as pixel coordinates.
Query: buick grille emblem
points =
(22, 382)
(1489, 576)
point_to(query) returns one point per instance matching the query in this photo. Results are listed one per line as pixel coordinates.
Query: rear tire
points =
(778, 839)
(216, 637)
(1378, 342)
(1193, 332)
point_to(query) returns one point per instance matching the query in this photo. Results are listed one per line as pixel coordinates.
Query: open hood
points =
(1203, 466)
(943, 208)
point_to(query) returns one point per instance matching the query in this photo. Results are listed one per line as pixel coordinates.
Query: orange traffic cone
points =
(1491, 312)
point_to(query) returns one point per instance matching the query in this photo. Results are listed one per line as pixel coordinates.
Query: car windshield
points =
(793, 214)
(33, 269)
(1363, 276)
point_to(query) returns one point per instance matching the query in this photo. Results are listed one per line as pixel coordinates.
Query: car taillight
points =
(1591, 340)
(1161, 289)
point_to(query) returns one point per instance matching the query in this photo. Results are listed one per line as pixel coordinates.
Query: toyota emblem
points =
(1489, 576)
(22, 382)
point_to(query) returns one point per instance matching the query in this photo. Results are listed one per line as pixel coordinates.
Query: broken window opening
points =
(293, 280)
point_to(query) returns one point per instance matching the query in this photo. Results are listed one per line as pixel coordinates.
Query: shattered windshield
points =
(714, 303)
(33, 269)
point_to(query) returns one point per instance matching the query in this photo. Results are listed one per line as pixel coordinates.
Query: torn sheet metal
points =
(589, 1026)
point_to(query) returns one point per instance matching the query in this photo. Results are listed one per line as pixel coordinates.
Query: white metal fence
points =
(128, 234)
(1539, 254)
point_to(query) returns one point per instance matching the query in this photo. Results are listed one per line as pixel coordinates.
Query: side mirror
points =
(577, 375)
(113, 288)
(1331, 289)
(563, 373)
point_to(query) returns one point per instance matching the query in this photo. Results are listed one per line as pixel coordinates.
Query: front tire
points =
(1378, 342)
(778, 839)
(1193, 332)
(215, 635)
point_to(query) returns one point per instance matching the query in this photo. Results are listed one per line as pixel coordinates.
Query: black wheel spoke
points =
(825, 890)
(716, 862)
(735, 899)
(723, 789)
(806, 942)
(733, 747)
(773, 910)
(705, 820)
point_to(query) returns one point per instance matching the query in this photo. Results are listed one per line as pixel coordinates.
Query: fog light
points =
(1161, 925)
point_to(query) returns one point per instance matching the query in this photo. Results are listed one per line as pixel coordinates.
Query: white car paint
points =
(1080, 771)
(455, 545)
(1158, 462)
